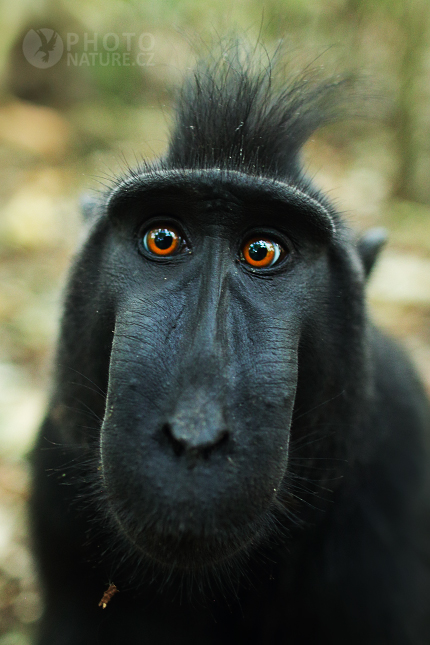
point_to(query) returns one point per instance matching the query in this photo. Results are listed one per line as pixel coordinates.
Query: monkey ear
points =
(369, 246)
(90, 207)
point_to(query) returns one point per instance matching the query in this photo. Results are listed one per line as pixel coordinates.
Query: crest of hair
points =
(245, 109)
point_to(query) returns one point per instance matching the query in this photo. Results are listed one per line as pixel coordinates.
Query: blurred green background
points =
(67, 128)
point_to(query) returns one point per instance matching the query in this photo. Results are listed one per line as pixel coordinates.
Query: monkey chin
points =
(187, 552)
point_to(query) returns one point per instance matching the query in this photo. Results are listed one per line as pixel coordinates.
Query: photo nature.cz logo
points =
(44, 47)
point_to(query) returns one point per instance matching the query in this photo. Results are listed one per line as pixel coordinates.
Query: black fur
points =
(238, 449)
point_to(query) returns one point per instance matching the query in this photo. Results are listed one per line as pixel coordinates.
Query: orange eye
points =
(162, 241)
(261, 252)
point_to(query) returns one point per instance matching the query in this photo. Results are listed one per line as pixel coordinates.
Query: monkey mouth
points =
(187, 548)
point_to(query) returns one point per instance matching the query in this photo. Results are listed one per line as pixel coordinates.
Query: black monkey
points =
(230, 442)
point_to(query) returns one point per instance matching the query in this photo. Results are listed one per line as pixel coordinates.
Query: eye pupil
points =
(163, 239)
(257, 250)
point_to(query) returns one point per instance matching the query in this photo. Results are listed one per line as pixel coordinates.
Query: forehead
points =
(225, 193)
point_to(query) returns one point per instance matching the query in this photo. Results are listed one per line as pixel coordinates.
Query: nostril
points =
(221, 439)
(178, 445)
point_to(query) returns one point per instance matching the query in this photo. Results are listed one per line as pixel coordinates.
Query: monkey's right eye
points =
(163, 241)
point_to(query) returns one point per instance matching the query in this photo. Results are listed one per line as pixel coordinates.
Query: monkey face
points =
(212, 282)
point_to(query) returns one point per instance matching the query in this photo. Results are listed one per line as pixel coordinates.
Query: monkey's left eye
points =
(261, 252)
(163, 241)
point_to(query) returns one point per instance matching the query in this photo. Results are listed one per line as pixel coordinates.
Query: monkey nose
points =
(197, 435)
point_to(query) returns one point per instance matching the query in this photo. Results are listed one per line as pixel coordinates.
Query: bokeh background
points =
(68, 128)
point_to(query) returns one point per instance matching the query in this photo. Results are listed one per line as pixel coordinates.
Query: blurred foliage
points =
(69, 128)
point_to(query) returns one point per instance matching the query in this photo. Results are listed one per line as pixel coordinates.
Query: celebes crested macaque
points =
(233, 454)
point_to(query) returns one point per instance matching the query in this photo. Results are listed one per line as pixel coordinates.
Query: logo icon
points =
(42, 47)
